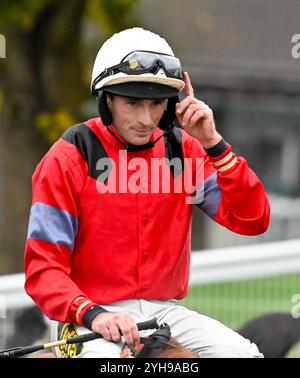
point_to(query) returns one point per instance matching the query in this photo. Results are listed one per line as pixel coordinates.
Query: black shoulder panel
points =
(173, 150)
(91, 149)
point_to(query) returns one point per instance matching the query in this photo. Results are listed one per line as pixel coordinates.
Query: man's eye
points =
(158, 102)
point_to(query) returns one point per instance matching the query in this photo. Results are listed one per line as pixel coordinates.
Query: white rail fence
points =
(208, 266)
(245, 262)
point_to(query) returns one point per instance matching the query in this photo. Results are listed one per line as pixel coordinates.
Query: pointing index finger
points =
(189, 91)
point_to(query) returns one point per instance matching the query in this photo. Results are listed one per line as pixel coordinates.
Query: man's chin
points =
(140, 140)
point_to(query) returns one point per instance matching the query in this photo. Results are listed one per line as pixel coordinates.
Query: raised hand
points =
(196, 117)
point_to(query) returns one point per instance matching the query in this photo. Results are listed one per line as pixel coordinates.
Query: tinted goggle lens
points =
(146, 61)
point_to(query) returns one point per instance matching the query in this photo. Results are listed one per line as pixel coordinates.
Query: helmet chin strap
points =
(136, 148)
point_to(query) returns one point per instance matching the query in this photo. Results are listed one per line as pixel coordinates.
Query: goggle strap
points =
(107, 72)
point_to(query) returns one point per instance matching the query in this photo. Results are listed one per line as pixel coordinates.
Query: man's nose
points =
(145, 117)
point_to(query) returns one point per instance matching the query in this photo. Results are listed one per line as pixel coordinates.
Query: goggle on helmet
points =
(143, 62)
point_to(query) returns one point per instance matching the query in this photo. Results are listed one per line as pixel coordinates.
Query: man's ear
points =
(168, 118)
(103, 109)
(108, 102)
(166, 105)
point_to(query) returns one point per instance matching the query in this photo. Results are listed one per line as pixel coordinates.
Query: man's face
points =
(135, 119)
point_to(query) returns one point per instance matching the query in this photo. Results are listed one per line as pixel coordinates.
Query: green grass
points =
(294, 352)
(234, 303)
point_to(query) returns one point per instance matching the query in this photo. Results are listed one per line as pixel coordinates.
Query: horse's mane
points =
(173, 350)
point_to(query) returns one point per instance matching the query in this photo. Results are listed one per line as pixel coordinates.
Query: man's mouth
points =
(143, 131)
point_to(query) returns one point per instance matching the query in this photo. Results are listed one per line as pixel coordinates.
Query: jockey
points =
(109, 236)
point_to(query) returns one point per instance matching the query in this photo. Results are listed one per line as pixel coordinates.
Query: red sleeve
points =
(53, 223)
(232, 194)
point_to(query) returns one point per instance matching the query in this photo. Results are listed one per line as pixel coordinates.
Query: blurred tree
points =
(42, 86)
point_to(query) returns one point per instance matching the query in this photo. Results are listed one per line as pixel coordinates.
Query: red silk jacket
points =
(103, 227)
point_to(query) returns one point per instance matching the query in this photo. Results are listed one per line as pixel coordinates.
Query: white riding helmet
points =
(137, 56)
